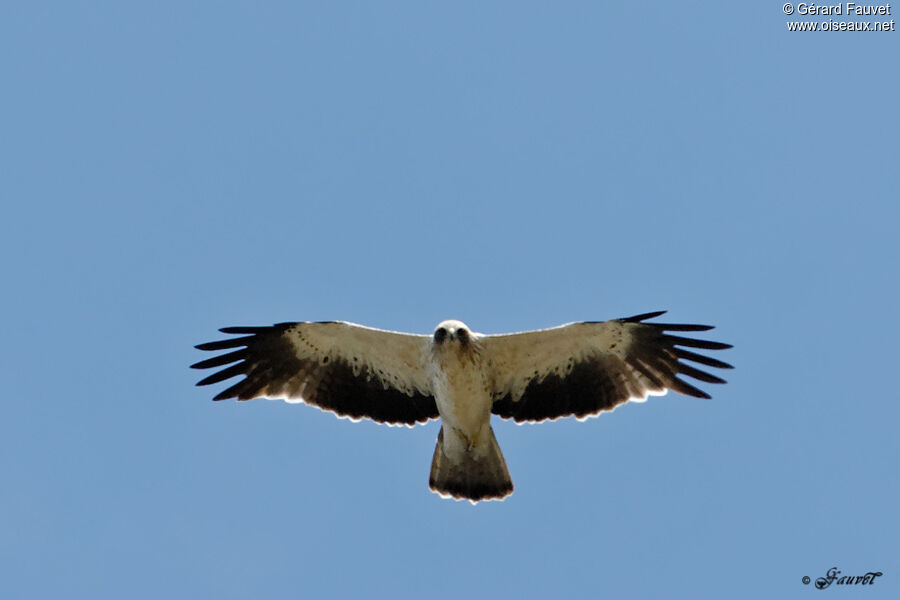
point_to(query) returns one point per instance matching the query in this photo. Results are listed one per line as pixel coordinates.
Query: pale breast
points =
(461, 391)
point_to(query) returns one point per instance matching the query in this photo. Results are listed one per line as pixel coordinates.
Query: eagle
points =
(462, 377)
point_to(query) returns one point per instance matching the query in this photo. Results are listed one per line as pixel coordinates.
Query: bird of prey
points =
(462, 377)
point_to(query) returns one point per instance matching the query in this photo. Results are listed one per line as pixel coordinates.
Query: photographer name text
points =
(844, 8)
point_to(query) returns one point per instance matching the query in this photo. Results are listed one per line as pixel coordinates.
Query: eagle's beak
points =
(452, 334)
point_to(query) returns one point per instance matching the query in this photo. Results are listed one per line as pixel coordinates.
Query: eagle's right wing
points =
(348, 369)
(583, 369)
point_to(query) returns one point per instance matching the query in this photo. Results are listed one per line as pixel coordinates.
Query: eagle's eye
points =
(440, 335)
(463, 335)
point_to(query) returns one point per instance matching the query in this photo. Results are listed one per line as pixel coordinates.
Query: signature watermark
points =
(834, 576)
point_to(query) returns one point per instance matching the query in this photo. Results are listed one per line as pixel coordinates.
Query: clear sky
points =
(172, 168)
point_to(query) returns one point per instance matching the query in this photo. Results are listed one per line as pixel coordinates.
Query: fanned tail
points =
(476, 474)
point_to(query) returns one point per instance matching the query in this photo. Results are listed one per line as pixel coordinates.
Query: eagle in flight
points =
(457, 375)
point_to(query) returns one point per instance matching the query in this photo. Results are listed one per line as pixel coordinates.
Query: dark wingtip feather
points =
(232, 371)
(644, 317)
(692, 343)
(704, 360)
(242, 390)
(223, 395)
(218, 361)
(698, 374)
(682, 327)
(224, 344)
(244, 330)
(687, 389)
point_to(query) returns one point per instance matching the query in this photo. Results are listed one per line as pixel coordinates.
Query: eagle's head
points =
(452, 333)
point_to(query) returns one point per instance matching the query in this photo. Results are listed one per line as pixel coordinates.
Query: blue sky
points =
(173, 168)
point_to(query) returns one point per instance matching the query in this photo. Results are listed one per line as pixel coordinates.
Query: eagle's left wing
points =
(582, 369)
(350, 370)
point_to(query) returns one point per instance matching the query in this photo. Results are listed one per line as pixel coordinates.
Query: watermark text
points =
(851, 10)
(834, 576)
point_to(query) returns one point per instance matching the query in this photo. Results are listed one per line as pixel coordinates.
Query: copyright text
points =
(845, 9)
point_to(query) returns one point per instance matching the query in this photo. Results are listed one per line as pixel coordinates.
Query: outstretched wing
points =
(583, 369)
(348, 369)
